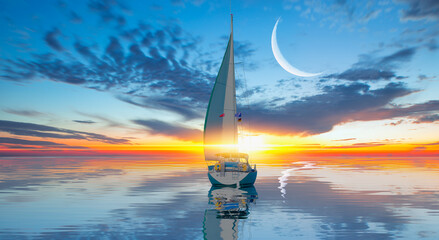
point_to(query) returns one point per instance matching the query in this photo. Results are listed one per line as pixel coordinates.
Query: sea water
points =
(162, 197)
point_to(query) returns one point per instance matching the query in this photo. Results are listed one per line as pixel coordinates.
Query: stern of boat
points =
(233, 178)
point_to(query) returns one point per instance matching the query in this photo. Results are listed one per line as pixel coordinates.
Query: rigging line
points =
(246, 96)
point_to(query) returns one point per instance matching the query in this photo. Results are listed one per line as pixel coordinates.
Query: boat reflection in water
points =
(228, 206)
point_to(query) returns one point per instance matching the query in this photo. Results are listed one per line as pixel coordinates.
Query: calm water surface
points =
(158, 198)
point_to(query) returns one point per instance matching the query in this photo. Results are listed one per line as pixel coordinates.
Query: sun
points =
(251, 143)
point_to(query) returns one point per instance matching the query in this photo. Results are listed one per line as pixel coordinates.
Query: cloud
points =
(432, 45)
(161, 67)
(337, 104)
(84, 121)
(243, 49)
(84, 51)
(370, 68)
(357, 145)
(18, 143)
(403, 55)
(61, 4)
(288, 4)
(178, 3)
(371, 15)
(110, 122)
(397, 122)
(75, 18)
(182, 3)
(108, 10)
(181, 107)
(420, 10)
(115, 50)
(51, 40)
(43, 131)
(163, 128)
(26, 113)
(419, 148)
(164, 73)
(340, 14)
(243, 53)
(157, 68)
(432, 144)
(422, 77)
(398, 111)
(428, 118)
(345, 139)
(252, 91)
(356, 74)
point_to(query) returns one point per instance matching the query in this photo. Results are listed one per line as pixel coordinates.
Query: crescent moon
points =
(282, 61)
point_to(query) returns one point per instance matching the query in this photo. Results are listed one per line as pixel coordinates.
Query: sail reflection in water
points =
(228, 206)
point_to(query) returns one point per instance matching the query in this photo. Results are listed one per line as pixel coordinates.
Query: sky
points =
(88, 77)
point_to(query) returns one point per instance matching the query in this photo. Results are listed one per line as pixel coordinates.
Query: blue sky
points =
(142, 71)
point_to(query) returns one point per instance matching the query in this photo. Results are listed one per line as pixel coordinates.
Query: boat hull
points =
(232, 178)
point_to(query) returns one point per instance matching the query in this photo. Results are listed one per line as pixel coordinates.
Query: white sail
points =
(220, 128)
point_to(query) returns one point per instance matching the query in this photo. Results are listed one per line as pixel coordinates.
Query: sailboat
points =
(226, 165)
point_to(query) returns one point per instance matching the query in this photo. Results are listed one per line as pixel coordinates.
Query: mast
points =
(231, 27)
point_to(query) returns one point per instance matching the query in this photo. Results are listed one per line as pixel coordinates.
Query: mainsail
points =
(220, 127)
